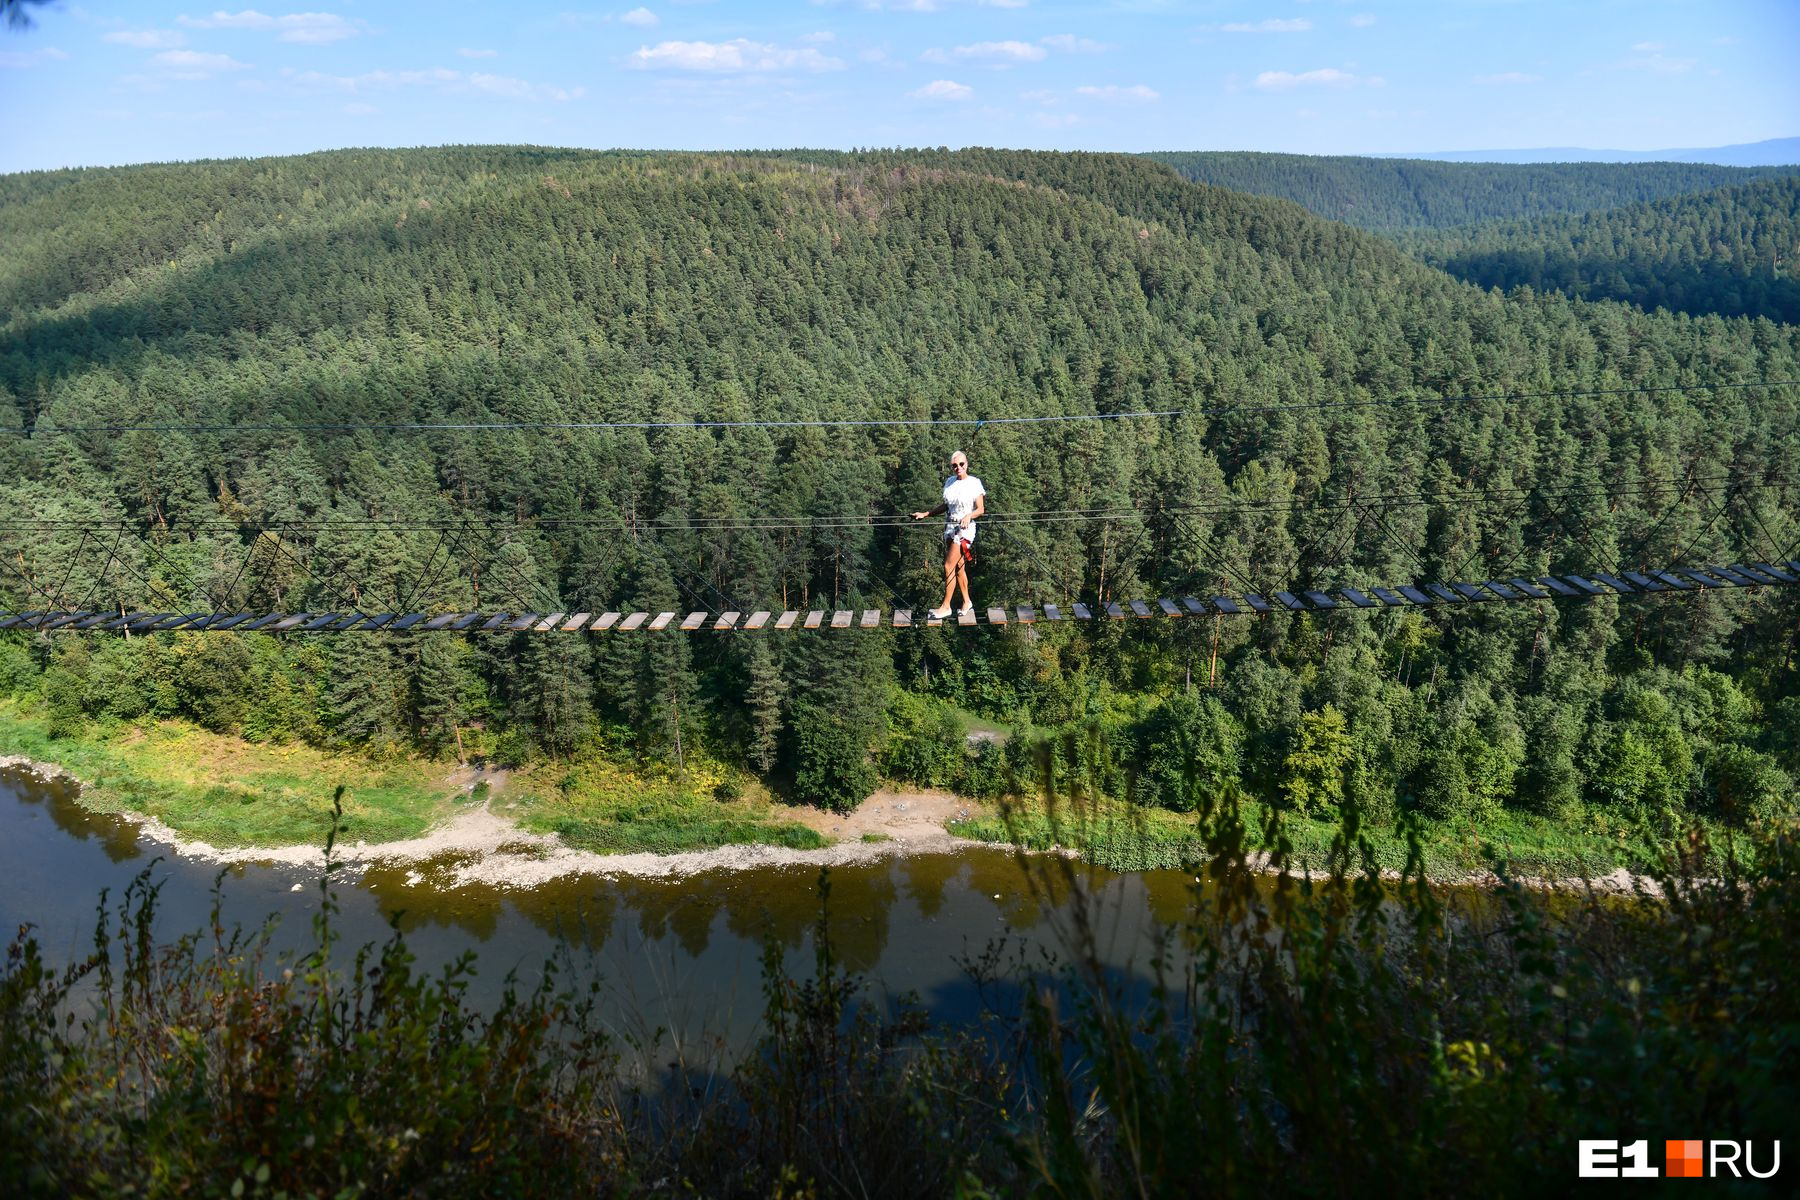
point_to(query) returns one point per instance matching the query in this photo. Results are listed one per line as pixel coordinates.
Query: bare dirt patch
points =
(909, 816)
(480, 846)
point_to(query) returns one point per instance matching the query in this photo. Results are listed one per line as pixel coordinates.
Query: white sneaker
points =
(968, 610)
(938, 614)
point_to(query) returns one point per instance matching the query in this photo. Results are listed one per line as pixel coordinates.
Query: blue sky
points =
(101, 83)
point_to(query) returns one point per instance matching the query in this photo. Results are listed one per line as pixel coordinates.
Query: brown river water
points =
(681, 954)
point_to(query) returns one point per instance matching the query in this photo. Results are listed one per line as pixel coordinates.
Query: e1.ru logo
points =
(1603, 1158)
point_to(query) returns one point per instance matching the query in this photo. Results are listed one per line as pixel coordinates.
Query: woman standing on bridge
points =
(965, 500)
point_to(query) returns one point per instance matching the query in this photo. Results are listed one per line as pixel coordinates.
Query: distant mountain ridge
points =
(1768, 153)
(1389, 195)
(1730, 251)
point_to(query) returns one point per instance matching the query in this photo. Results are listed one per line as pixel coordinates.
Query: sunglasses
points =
(955, 464)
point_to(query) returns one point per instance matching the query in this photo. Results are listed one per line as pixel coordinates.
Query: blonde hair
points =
(956, 454)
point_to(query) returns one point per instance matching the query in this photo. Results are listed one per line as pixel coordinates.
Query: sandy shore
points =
(480, 846)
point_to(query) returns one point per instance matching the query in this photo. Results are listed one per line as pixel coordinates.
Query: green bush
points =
(831, 763)
(18, 671)
(1187, 747)
(925, 743)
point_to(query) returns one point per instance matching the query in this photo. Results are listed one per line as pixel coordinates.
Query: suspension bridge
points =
(1515, 590)
(277, 566)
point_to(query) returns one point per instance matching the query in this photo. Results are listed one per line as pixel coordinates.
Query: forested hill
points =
(522, 285)
(1388, 195)
(1734, 250)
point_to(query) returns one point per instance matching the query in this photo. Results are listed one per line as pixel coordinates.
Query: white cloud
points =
(500, 85)
(248, 19)
(468, 53)
(1113, 93)
(1272, 25)
(195, 64)
(820, 38)
(1039, 96)
(739, 56)
(639, 16)
(923, 6)
(1362, 20)
(1660, 63)
(943, 89)
(1068, 43)
(22, 60)
(1508, 78)
(308, 28)
(147, 39)
(1274, 81)
(441, 78)
(993, 53)
(373, 81)
(1050, 120)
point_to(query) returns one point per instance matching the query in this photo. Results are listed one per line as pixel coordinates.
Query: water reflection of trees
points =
(117, 837)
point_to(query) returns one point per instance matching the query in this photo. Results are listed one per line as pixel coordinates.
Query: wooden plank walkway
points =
(1672, 583)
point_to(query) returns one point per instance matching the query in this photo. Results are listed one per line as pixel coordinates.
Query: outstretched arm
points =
(930, 512)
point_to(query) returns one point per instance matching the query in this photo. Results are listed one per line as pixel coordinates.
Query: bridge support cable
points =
(1445, 598)
(1707, 526)
(1775, 546)
(62, 597)
(100, 578)
(422, 583)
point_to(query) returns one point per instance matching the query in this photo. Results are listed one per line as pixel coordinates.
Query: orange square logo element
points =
(1683, 1160)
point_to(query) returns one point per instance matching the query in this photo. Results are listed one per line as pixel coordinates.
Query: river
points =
(682, 955)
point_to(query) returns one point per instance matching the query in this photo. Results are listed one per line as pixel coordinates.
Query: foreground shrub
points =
(1342, 1035)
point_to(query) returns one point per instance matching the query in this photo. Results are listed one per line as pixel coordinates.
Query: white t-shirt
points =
(959, 501)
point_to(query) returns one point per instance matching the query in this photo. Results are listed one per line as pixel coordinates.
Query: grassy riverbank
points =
(1332, 1037)
(1127, 837)
(233, 793)
(613, 810)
